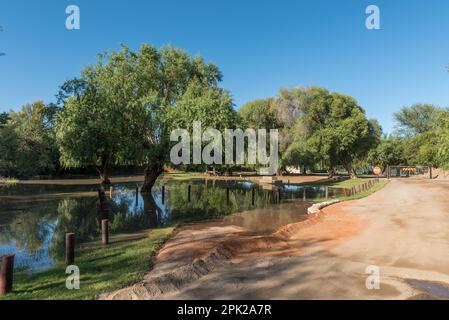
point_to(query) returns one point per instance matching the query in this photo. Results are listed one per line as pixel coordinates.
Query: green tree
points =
(390, 151)
(442, 137)
(27, 145)
(260, 114)
(116, 114)
(102, 121)
(329, 128)
(418, 118)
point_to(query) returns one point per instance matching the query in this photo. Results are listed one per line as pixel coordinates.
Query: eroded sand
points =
(403, 229)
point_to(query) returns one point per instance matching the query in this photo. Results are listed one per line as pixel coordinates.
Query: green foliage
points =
(211, 106)
(324, 127)
(4, 117)
(27, 145)
(442, 138)
(421, 128)
(97, 124)
(121, 110)
(390, 151)
(260, 114)
(417, 119)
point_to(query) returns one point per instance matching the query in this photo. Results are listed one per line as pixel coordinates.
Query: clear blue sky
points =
(260, 46)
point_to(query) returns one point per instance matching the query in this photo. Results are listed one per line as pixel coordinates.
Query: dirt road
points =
(403, 230)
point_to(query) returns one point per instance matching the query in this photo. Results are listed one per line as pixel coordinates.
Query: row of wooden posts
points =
(7, 261)
(104, 214)
(359, 188)
(347, 191)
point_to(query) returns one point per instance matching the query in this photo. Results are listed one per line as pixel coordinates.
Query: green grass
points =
(178, 175)
(102, 269)
(348, 183)
(356, 182)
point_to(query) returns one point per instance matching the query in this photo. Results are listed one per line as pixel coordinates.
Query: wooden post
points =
(279, 195)
(69, 248)
(163, 194)
(327, 193)
(110, 192)
(189, 196)
(227, 195)
(7, 274)
(304, 193)
(137, 196)
(253, 196)
(430, 173)
(105, 231)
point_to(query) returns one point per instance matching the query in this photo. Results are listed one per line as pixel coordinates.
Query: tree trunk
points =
(330, 173)
(103, 171)
(351, 171)
(152, 172)
(150, 210)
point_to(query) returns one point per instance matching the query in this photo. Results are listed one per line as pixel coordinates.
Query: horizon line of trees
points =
(120, 111)
(318, 131)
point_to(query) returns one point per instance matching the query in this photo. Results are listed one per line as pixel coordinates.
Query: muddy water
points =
(262, 221)
(35, 218)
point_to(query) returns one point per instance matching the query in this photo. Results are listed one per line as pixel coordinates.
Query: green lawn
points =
(180, 175)
(356, 182)
(102, 269)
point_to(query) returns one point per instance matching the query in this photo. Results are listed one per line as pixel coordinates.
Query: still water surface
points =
(35, 218)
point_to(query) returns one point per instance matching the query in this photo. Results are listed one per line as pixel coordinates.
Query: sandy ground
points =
(403, 230)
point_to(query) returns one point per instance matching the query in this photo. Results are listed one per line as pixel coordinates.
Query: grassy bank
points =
(354, 183)
(102, 269)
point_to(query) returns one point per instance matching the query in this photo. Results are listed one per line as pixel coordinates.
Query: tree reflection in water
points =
(35, 219)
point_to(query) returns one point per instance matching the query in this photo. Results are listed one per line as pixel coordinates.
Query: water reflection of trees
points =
(76, 215)
(40, 224)
(27, 223)
(127, 217)
(212, 202)
(28, 230)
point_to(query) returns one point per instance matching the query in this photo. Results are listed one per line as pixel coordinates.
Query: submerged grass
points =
(102, 269)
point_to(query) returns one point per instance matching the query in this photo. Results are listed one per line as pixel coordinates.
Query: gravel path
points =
(402, 229)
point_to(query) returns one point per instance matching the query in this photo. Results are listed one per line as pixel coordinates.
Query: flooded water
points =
(35, 218)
